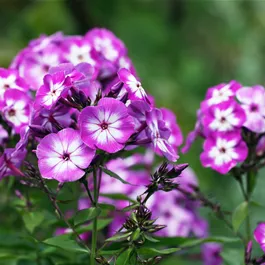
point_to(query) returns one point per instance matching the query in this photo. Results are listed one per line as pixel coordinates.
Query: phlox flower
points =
(222, 151)
(133, 86)
(106, 44)
(159, 135)
(224, 117)
(259, 235)
(17, 108)
(51, 90)
(78, 50)
(211, 254)
(9, 79)
(10, 161)
(253, 102)
(63, 156)
(106, 126)
(220, 93)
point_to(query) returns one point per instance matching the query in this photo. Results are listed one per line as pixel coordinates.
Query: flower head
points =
(133, 86)
(106, 126)
(253, 102)
(63, 156)
(222, 152)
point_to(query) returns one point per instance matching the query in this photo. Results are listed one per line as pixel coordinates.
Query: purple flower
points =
(9, 79)
(51, 90)
(133, 86)
(259, 235)
(224, 117)
(253, 102)
(222, 151)
(220, 93)
(17, 108)
(10, 162)
(106, 126)
(78, 50)
(211, 254)
(175, 137)
(159, 134)
(63, 156)
(106, 44)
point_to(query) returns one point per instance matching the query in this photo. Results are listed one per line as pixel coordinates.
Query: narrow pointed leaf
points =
(86, 215)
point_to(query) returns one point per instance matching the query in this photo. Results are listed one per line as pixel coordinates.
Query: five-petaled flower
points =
(63, 156)
(106, 126)
(222, 151)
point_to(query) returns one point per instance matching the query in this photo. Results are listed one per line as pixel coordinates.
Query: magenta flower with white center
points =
(223, 151)
(63, 156)
(17, 108)
(51, 90)
(220, 93)
(259, 235)
(107, 45)
(78, 50)
(224, 117)
(106, 126)
(253, 102)
(9, 79)
(159, 134)
(35, 65)
(133, 85)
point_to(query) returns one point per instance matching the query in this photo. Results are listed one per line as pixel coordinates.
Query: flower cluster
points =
(226, 112)
(74, 95)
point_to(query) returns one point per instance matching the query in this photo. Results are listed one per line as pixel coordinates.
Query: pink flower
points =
(211, 254)
(259, 235)
(10, 162)
(78, 50)
(222, 151)
(106, 126)
(51, 90)
(253, 102)
(224, 117)
(220, 93)
(133, 86)
(17, 108)
(63, 156)
(9, 79)
(159, 134)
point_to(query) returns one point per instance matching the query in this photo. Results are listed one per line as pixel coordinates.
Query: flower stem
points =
(95, 221)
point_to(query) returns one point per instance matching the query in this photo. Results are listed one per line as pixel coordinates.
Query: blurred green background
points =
(179, 48)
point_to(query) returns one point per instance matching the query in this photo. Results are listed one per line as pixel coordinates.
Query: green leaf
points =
(117, 196)
(130, 207)
(86, 215)
(114, 175)
(233, 256)
(154, 252)
(64, 242)
(184, 242)
(118, 237)
(102, 223)
(106, 206)
(124, 258)
(32, 220)
(136, 234)
(150, 238)
(239, 215)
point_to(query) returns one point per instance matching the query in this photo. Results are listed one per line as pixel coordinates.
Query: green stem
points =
(95, 221)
